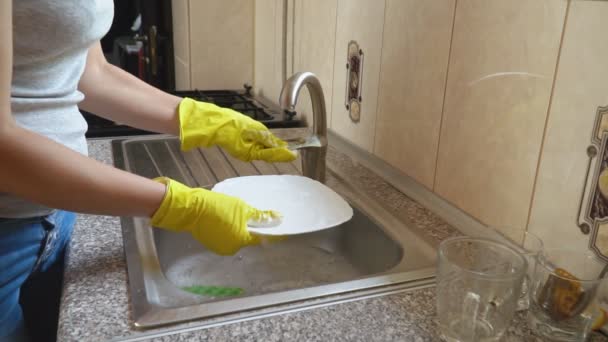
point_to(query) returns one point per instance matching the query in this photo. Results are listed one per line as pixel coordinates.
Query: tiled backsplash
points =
(314, 41)
(581, 86)
(412, 84)
(181, 43)
(500, 76)
(490, 104)
(360, 21)
(213, 43)
(269, 47)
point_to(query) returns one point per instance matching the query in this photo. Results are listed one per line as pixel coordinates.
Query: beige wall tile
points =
(221, 43)
(314, 45)
(499, 82)
(415, 54)
(289, 36)
(269, 48)
(581, 86)
(181, 30)
(362, 21)
(181, 43)
(182, 75)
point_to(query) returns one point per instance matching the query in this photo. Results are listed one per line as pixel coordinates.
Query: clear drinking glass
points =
(563, 294)
(532, 247)
(478, 285)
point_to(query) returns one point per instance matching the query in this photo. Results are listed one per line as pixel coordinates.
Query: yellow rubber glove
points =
(204, 124)
(216, 220)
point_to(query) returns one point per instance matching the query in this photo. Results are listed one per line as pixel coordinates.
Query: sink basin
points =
(363, 255)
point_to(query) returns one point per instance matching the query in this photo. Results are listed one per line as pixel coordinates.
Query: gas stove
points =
(241, 101)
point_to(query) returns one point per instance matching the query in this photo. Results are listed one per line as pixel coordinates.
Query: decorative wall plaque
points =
(354, 78)
(594, 219)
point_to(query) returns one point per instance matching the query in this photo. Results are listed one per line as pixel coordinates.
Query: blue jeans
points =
(32, 254)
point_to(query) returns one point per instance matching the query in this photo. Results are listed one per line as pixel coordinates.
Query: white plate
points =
(306, 205)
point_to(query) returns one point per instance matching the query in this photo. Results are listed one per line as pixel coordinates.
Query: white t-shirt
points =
(50, 43)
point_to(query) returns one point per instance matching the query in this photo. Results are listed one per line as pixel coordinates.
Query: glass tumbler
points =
(531, 246)
(478, 285)
(563, 294)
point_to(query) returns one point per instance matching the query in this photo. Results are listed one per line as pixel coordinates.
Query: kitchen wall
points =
(581, 86)
(292, 36)
(361, 21)
(269, 48)
(314, 43)
(500, 76)
(413, 73)
(181, 43)
(489, 104)
(213, 43)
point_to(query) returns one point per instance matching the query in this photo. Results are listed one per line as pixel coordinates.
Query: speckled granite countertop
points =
(95, 302)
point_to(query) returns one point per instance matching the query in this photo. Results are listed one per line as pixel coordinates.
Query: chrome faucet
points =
(313, 157)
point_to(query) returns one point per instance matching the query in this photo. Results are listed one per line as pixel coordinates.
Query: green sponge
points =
(214, 291)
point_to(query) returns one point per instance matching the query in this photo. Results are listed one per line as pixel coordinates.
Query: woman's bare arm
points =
(115, 94)
(38, 169)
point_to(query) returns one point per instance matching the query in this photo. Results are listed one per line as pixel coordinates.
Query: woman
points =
(51, 63)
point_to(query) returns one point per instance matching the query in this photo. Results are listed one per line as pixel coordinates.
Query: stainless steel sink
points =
(372, 250)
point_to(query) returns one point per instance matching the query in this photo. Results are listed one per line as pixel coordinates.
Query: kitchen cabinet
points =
(500, 76)
(415, 51)
(580, 89)
(221, 43)
(314, 41)
(361, 21)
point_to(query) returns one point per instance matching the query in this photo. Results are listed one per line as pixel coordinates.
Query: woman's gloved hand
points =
(204, 124)
(216, 220)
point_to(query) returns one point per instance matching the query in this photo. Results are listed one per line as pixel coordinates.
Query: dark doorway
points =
(140, 41)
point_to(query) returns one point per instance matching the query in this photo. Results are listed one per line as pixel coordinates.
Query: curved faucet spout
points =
(313, 158)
